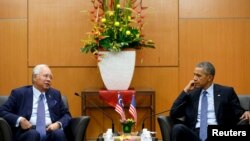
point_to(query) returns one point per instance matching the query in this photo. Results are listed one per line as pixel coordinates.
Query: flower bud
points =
(111, 13)
(128, 32)
(129, 18)
(103, 20)
(117, 23)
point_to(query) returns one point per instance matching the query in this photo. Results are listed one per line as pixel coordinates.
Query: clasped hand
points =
(25, 124)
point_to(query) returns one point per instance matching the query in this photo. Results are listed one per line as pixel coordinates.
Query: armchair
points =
(75, 132)
(166, 122)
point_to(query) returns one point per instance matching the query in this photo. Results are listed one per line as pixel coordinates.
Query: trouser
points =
(181, 132)
(33, 135)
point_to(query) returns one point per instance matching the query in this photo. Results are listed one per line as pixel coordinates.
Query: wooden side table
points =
(145, 101)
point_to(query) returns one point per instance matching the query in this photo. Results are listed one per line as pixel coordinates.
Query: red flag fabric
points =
(132, 108)
(110, 96)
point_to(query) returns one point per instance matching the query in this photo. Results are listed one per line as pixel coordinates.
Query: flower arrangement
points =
(117, 25)
(127, 125)
(129, 121)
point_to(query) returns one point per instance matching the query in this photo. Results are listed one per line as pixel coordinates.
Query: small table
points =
(145, 101)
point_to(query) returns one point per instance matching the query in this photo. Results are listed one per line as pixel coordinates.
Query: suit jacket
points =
(20, 103)
(226, 104)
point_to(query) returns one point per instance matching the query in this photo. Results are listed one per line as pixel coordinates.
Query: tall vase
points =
(117, 69)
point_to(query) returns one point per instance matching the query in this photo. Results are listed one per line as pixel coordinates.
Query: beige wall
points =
(185, 33)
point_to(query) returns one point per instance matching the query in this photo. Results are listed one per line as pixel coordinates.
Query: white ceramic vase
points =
(117, 69)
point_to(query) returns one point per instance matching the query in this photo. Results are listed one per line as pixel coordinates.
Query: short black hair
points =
(207, 66)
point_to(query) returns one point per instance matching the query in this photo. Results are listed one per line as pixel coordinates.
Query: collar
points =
(209, 90)
(36, 92)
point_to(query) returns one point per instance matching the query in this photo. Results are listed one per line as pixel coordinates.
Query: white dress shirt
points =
(36, 94)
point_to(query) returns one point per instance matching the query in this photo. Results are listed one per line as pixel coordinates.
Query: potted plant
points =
(127, 125)
(117, 26)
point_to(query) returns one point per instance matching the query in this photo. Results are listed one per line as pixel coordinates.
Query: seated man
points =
(37, 112)
(204, 103)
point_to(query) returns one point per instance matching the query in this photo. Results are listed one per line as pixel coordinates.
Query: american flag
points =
(132, 108)
(119, 108)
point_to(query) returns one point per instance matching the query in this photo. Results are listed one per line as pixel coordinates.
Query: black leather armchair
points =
(75, 132)
(166, 123)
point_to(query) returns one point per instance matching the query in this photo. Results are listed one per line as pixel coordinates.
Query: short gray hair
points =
(37, 69)
(207, 66)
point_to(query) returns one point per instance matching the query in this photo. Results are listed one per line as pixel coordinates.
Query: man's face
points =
(201, 78)
(43, 80)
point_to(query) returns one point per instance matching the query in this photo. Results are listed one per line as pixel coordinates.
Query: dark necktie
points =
(203, 116)
(40, 122)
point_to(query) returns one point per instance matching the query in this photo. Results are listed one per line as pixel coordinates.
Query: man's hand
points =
(53, 126)
(246, 116)
(190, 86)
(25, 124)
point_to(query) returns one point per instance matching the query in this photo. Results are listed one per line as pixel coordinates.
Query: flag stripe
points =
(132, 108)
(119, 107)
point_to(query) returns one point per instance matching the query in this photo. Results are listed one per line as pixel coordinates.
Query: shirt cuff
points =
(18, 121)
(60, 124)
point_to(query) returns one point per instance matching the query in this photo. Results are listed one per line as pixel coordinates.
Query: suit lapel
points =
(217, 97)
(50, 99)
(196, 101)
(29, 104)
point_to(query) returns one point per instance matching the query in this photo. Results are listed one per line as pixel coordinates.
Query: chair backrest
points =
(65, 101)
(5, 130)
(3, 99)
(166, 124)
(244, 101)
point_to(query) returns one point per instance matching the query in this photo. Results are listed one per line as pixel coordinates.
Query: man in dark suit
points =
(37, 112)
(222, 106)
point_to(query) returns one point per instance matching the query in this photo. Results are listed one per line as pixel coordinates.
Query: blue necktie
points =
(40, 121)
(203, 117)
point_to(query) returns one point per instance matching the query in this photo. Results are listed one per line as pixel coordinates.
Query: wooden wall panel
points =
(161, 25)
(13, 54)
(55, 32)
(214, 8)
(13, 9)
(164, 80)
(223, 42)
(213, 30)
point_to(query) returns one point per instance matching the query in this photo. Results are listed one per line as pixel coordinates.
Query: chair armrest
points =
(77, 128)
(5, 130)
(243, 122)
(166, 124)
